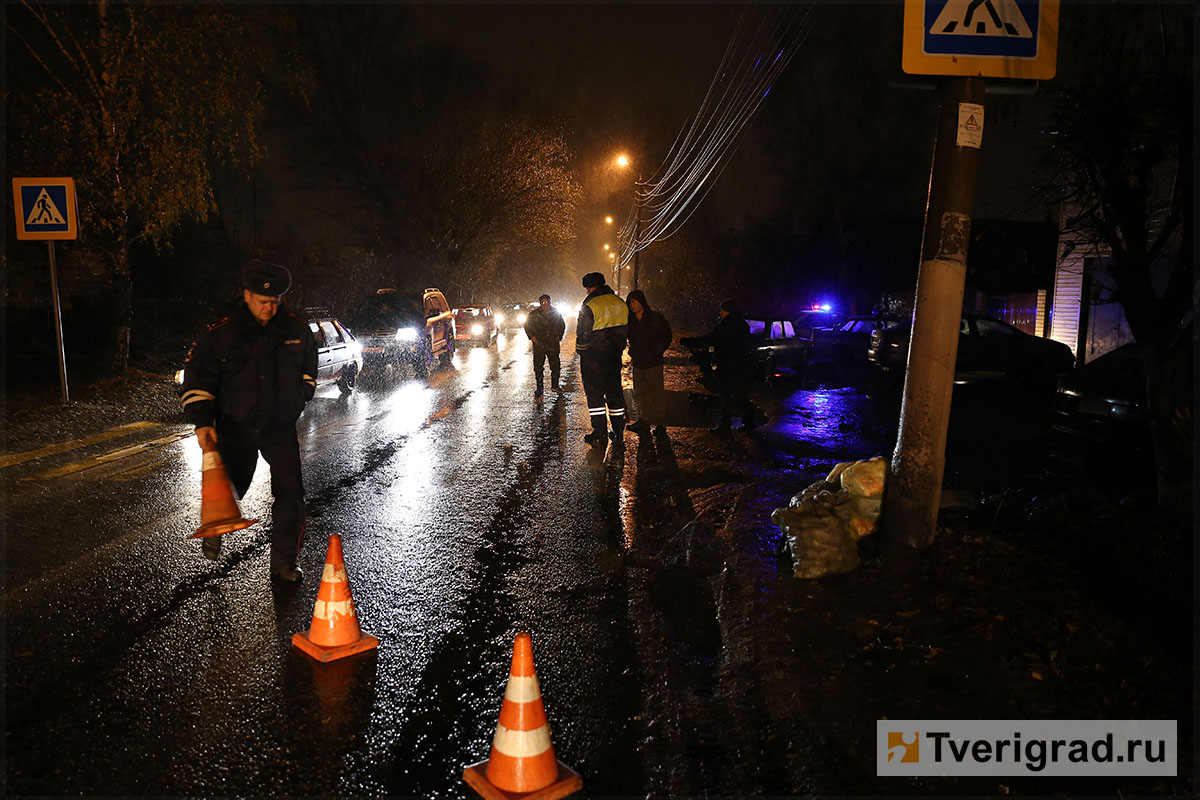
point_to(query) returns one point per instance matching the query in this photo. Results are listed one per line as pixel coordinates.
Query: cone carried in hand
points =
(334, 632)
(522, 763)
(219, 512)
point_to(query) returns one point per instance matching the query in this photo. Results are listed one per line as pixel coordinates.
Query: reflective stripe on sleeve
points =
(196, 396)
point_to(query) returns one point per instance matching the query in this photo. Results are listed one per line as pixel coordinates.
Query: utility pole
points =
(637, 230)
(915, 482)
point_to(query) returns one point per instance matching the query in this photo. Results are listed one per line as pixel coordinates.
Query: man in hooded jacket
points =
(600, 340)
(649, 337)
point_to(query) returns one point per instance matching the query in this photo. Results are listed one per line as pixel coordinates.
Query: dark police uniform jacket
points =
(603, 322)
(248, 375)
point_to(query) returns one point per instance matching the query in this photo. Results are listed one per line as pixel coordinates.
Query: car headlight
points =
(406, 334)
(477, 329)
(521, 318)
(499, 319)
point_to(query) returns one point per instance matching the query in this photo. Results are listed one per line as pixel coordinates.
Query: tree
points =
(136, 101)
(406, 153)
(1122, 144)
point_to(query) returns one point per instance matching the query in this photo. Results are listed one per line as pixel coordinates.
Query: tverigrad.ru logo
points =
(1026, 747)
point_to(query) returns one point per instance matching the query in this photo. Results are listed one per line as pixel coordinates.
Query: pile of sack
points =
(822, 525)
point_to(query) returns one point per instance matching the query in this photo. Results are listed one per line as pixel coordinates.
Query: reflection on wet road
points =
(468, 512)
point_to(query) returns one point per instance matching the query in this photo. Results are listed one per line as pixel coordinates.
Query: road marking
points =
(62, 447)
(112, 455)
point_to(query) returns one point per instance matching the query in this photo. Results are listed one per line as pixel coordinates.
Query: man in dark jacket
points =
(545, 328)
(649, 338)
(245, 383)
(731, 344)
(600, 340)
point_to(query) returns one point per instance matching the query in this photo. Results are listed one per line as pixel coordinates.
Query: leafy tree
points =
(1122, 142)
(137, 101)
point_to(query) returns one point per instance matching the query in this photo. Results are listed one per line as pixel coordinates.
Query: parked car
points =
(986, 348)
(339, 354)
(1104, 400)
(810, 321)
(512, 315)
(412, 329)
(475, 324)
(778, 351)
(846, 344)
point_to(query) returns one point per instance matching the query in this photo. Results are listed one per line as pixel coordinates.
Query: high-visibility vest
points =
(608, 311)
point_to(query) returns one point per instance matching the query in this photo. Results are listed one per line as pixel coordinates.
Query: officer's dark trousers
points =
(601, 374)
(539, 360)
(239, 448)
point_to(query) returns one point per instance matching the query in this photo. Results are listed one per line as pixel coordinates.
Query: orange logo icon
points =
(906, 745)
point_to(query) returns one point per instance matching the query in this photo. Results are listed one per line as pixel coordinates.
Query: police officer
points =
(599, 340)
(245, 383)
(545, 328)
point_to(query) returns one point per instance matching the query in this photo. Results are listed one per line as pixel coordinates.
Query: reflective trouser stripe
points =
(595, 412)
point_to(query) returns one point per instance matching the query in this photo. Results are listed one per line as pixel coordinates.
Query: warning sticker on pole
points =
(970, 125)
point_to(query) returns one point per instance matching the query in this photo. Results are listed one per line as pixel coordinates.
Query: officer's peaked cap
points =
(593, 279)
(265, 278)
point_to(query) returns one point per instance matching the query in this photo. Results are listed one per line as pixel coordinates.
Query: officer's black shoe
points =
(210, 546)
(286, 572)
(594, 438)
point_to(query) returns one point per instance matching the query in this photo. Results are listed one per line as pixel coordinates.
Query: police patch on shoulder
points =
(292, 341)
(217, 324)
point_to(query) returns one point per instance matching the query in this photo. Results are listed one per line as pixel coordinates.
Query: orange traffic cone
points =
(334, 632)
(219, 512)
(522, 763)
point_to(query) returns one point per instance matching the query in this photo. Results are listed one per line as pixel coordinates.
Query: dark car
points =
(512, 315)
(1104, 400)
(987, 348)
(846, 344)
(778, 351)
(398, 329)
(339, 354)
(475, 324)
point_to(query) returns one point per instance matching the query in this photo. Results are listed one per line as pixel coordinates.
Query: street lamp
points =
(608, 219)
(623, 161)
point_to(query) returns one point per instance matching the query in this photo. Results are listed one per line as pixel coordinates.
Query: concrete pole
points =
(915, 482)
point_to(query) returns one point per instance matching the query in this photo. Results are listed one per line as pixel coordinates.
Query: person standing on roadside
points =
(649, 338)
(545, 328)
(731, 341)
(600, 340)
(245, 383)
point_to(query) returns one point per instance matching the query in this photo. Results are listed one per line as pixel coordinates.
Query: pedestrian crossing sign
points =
(981, 38)
(45, 208)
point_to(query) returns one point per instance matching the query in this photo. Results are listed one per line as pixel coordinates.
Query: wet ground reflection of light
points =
(834, 425)
(409, 406)
(625, 514)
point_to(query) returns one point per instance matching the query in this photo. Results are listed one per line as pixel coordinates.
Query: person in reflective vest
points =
(600, 340)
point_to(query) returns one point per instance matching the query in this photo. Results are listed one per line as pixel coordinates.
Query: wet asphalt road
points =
(468, 512)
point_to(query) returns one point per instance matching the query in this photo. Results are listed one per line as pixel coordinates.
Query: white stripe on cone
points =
(521, 744)
(325, 609)
(522, 689)
(333, 574)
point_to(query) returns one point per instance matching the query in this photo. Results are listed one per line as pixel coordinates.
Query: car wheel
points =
(348, 378)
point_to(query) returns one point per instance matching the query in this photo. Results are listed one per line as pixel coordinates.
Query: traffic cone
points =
(334, 632)
(522, 763)
(219, 512)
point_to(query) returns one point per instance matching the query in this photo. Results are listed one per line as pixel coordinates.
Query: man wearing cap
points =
(245, 383)
(545, 328)
(600, 340)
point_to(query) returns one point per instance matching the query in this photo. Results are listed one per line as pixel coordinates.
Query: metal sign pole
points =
(58, 332)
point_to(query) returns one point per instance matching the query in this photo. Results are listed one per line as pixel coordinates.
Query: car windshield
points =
(390, 310)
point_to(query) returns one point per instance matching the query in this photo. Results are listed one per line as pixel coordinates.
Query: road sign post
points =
(45, 209)
(967, 39)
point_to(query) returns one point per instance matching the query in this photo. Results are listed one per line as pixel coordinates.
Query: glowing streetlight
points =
(608, 220)
(606, 247)
(622, 162)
